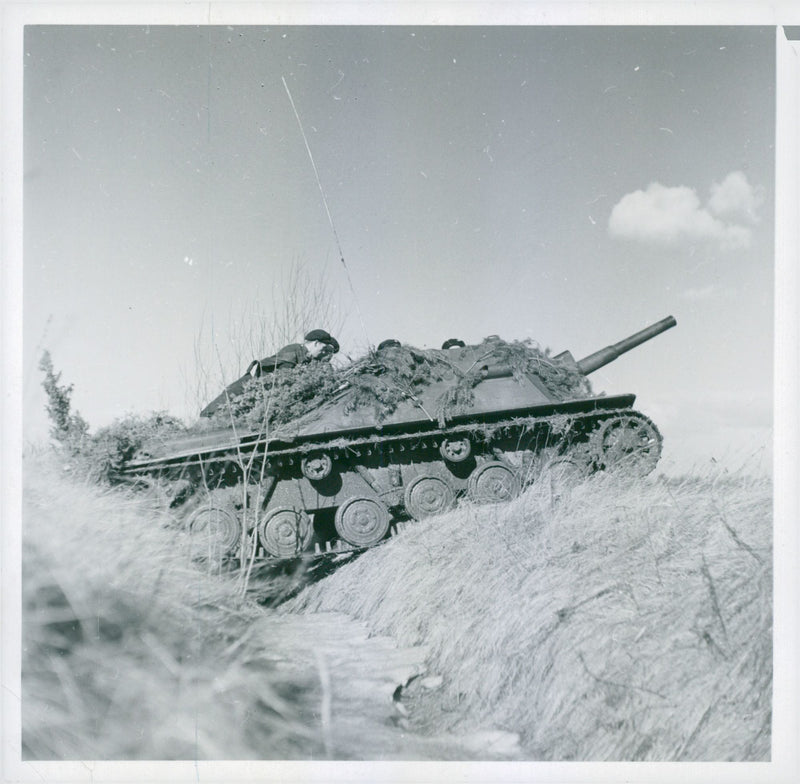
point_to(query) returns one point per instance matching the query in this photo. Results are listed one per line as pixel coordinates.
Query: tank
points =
(405, 435)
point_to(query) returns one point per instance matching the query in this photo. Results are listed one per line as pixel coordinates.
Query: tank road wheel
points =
(630, 442)
(361, 521)
(571, 467)
(214, 532)
(568, 469)
(428, 495)
(455, 450)
(317, 467)
(285, 532)
(493, 482)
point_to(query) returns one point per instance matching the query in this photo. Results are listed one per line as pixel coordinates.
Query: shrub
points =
(100, 455)
(105, 453)
(67, 428)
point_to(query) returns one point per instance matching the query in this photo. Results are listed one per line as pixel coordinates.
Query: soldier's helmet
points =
(389, 343)
(323, 337)
(453, 343)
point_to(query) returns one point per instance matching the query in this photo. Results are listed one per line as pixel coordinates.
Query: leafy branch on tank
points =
(383, 379)
(525, 358)
(278, 398)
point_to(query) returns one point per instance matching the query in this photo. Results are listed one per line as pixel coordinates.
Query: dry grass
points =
(617, 620)
(129, 650)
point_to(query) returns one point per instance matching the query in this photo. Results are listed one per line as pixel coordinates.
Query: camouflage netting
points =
(279, 397)
(563, 381)
(381, 380)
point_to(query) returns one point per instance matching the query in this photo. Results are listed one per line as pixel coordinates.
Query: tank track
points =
(559, 435)
(279, 455)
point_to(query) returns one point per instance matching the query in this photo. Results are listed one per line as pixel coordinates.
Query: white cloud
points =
(734, 196)
(674, 215)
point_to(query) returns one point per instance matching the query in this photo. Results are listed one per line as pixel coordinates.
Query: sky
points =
(570, 185)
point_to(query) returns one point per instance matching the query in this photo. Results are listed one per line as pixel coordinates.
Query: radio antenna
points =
(327, 210)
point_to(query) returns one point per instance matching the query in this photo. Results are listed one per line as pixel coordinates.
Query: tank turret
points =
(405, 434)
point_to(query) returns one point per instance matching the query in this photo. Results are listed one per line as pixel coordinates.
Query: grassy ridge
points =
(130, 651)
(613, 620)
(619, 620)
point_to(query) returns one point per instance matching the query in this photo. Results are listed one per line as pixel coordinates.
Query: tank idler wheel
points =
(317, 467)
(362, 521)
(628, 442)
(428, 495)
(285, 532)
(455, 450)
(214, 532)
(492, 482)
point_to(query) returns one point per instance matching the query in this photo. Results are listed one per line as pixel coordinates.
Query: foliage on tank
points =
(381, 380)
(564, 381)
(278, 397)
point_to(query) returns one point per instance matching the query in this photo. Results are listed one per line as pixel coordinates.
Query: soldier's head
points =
(388, 343)
(320, 345)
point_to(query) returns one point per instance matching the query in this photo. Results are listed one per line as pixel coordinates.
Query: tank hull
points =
(400, 435)
(346, 489)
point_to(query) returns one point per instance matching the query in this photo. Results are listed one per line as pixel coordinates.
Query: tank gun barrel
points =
(610, 353)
